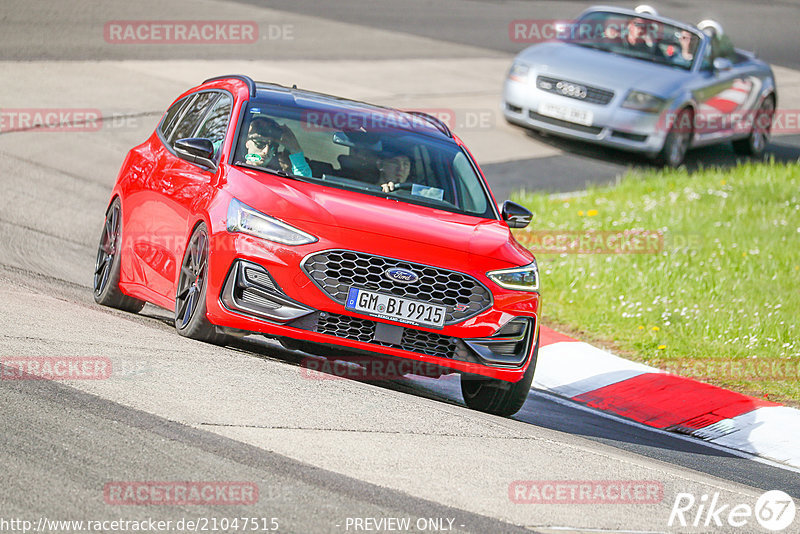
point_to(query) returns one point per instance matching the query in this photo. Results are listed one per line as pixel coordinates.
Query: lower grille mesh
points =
(347, 327)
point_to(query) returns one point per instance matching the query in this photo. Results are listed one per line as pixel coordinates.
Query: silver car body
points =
(737, 91)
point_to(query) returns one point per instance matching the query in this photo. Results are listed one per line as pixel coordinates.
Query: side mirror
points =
(722, 64)
(516, 216)
(196, 150)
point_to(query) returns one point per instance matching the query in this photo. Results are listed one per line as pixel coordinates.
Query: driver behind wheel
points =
(394, 168)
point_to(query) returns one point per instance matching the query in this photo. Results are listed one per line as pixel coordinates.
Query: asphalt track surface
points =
(320, 451)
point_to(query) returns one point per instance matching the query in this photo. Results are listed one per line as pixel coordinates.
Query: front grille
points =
(565, 124)
(335, 271)
(344, 326)
(586, 93)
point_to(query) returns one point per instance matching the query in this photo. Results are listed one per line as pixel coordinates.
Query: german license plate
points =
(566, 113)
(402, 310)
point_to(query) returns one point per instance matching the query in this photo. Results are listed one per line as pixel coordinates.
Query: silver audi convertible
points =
(634, 80)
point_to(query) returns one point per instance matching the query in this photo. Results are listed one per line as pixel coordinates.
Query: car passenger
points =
(273, 145)
(680, 50)
(688, 46)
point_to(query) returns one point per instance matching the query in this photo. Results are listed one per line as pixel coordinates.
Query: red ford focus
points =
(330, 225)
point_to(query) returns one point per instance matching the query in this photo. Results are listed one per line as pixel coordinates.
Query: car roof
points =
(273, 93)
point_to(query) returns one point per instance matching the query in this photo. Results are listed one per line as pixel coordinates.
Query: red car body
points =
(164, 197)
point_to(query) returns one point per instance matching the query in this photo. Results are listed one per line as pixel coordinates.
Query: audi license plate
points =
(395, 308)
(566, 113)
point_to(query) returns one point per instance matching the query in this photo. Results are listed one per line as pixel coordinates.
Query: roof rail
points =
(251, 85)
(438, 123)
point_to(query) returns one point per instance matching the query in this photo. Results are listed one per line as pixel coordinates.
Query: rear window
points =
(215, 124)
(171, 116)
(191, 115)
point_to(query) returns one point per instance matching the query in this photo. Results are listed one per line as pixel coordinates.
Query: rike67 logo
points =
(774, 510)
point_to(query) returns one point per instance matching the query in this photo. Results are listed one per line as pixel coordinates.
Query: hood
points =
(377, 224)
(602, 69)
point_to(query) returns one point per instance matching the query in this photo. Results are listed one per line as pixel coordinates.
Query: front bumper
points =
(611, 124)
(259, 287)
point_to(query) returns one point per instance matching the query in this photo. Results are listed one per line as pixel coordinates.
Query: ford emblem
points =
(403, 276)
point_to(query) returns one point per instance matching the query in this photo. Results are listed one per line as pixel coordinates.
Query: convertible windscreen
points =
(365, 150)
(637, 37)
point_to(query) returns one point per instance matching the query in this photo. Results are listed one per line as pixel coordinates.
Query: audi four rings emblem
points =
(571, 89)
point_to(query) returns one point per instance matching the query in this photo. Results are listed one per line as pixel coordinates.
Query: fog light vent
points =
(508, 346)
(251, 296)
(512, 328)
(259, 278)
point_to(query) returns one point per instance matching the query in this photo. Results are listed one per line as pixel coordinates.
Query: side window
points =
(216, 122)
(720, 47)
(192, 114)
(472, 194)
(708, 57)
(171, 116)
(725, 48)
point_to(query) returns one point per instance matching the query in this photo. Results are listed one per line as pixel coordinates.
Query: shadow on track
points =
(782, 148)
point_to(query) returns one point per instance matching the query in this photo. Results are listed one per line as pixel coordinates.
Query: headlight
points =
(242, 218)
(643, 102)
(519, 278)
(519, 72)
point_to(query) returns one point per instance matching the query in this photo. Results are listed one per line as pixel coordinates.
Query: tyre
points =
(755, 144)
(107, 264)
(190, 299)
(677, 142)
(496, 396)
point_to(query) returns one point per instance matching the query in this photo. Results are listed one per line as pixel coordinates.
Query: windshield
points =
(637, 37)
(366, 151)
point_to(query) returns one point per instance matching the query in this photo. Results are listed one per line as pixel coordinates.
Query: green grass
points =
(719, 302)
